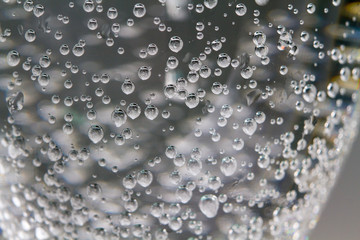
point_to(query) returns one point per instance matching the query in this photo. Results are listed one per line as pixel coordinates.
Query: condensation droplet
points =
(13, 58)
(240, 9)
(176, 44)
(93, 191)
(139, 10)
(209, 205)
(228, 166)
(96, 133)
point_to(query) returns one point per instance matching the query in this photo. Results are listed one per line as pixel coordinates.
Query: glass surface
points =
(174, 119)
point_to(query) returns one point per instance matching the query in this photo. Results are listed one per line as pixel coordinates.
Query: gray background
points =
(340, 219)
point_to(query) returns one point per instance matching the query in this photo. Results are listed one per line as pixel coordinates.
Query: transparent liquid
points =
(173, 119)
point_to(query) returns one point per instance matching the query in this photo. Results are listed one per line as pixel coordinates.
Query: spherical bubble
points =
(205, 72)
(217, 88)
(261, 2)
(152, 49)
(247, 72)
(88, 5)
(13, 58)
(156, 209)
(38, 10)
(112, 13)
(336, 3)
(92, 24)
(223, 60)
(119, 140)
(151, 112)
(144, 178)
(194, 166)
(214, 183)
(175, 223)
(44, 79)
(128, 87)
(216, 45)
(129, 181)
(127, 133)
(193, 76)
(45, 61)
(68, 128)
(172, 62)
(279, 174)
(238, 144)
(263, 161)
(179, 160)
(309, 93)
(226, 111)
(259, 38)
(332, 89)
(210, 3)
(192, 100)
(311, 8)
(283, 70)
(119, 117)
(133, 110)
(176, 44)
(170, 152)
(30, 35)
(249, 126)
(260, 117)
(170, 90)
(183, 194)
(209, 205)
(304, 36)
(139, 10)
(95, 133)
(91, 114)
(345, 73)
(228, 166)
(28, 5)
(78, 50)
(64, 49)
(144, 72)
(262, 51)
(240, 9)
(221, 122)
(195, 64)
(93, 191)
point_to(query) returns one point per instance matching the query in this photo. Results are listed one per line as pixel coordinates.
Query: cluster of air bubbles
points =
(146, 127)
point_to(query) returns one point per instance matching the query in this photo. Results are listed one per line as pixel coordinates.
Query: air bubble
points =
(13, 58)
(133, 110)
(210, 3)
(93, 191)
(144, 178)
(30, 35)
(228, 166)
(240, 9)
(209, 205)
(151, 112)
(144, 72)
(249, 126)
(96, 133)
(139, 10)
(310, 8)
(119, 117)
(223, 60)
(176, 44)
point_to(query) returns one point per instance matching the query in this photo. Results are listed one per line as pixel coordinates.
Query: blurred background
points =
(341, 217)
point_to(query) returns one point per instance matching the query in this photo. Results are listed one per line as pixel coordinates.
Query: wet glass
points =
(174, 119)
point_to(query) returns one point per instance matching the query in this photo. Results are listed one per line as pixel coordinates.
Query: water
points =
(173, 119)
